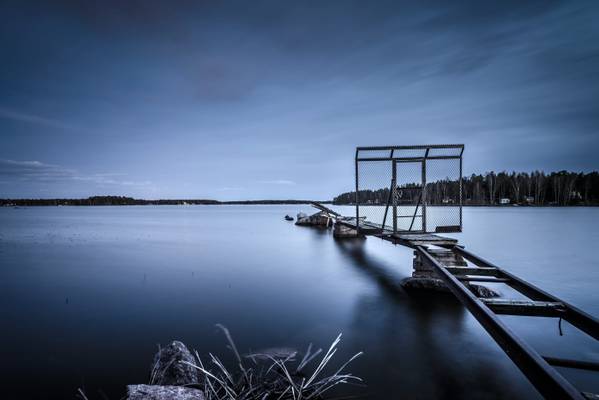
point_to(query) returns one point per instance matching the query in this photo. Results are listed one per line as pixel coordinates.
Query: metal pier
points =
(407, 195)
(540, 370)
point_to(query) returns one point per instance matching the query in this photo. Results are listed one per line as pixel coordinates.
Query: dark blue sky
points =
(246, 100)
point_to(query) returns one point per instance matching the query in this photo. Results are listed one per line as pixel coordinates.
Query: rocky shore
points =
(171, 377)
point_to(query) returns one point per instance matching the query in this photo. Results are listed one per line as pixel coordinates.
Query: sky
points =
(268, 100)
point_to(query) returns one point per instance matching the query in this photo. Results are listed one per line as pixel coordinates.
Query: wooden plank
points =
(564, 362)
(414, 240)
(472, 271)
(526, 307)
(448, 229)
(415, 244)
(325, 209)
(482, 279)
(423, 237)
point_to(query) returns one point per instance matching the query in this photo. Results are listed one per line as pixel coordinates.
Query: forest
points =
(561, 188)
(129, 201)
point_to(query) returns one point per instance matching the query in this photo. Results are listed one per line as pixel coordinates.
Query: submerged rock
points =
(157, 392)
(483, 291)
(169, 367)
(344, 232)
(424, 284)
(321, 218)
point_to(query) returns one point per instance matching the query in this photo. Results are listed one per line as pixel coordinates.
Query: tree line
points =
(561, 188)
(129, 201)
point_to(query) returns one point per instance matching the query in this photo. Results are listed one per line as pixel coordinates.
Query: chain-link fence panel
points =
(409, 188)
(374, 193)
(443, 195)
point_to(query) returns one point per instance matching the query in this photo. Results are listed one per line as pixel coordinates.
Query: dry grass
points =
(270, 377)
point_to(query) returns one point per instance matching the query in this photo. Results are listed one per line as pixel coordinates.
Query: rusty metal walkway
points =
(538, 369)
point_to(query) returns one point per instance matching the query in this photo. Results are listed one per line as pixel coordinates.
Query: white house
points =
(504, 201)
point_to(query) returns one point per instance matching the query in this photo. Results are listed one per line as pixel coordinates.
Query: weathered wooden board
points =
(526, 307)
(482, 279)
(325, 209)
(473, 271)
(423, 239)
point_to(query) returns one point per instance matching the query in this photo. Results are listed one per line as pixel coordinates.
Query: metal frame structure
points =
(540, 370)
(397, 155)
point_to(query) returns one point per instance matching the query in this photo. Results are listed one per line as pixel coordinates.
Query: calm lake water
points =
(87, 294)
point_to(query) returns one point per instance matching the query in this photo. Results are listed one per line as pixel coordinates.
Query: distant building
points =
(447, 200)
(504, 201)
(529, 199)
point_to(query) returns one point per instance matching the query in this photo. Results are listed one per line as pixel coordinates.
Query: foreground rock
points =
(169, 366)
(157, 392)
(170, 377)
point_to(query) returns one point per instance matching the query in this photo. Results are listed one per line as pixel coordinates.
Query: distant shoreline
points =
(277, 202)
(128, 201)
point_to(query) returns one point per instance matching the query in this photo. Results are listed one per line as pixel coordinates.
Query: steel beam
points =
(546, 379)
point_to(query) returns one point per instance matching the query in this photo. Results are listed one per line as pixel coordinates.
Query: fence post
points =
(357, 197)
(393, 194)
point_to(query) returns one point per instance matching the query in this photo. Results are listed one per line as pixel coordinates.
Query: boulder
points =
(156, 392)
(169, 367)
(321, 218)
(344, 232)
(424, 284)
(483, 291)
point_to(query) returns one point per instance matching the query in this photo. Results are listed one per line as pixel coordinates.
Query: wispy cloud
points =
(36, 171)
(278, 182)
(7, 113)
(229, 189)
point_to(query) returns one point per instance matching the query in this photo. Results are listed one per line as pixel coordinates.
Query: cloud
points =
(36, 171)
(278, 182)
(7, 113)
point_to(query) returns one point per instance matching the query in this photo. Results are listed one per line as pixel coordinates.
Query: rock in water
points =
(169, 368)
(424, 284)
(439, 286)
(155, 392)
(483, 291)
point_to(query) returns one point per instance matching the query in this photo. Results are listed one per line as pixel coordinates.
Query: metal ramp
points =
(538, 369)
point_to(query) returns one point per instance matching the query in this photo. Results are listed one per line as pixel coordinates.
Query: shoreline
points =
(274, 203)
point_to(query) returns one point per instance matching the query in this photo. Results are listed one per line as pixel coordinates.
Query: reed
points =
(269, 377)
